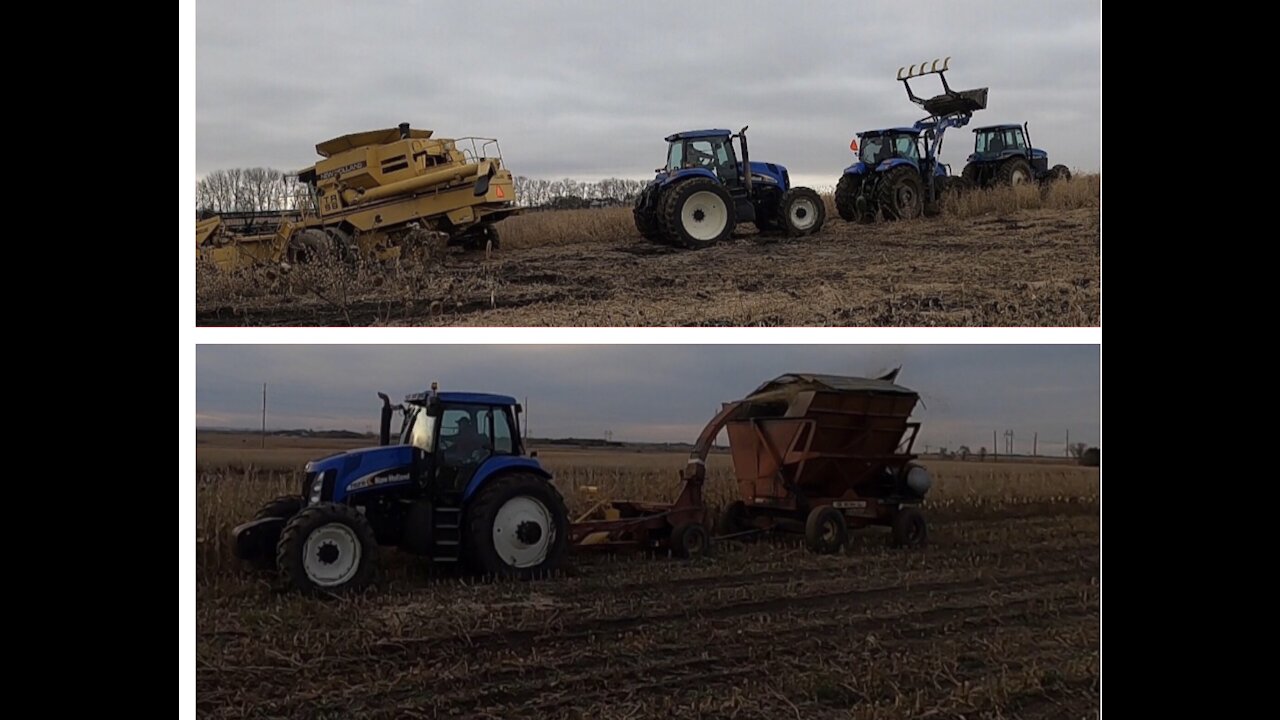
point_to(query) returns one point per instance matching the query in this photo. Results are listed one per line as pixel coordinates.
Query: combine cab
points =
(373, 193)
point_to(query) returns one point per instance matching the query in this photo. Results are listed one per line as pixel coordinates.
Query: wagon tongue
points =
(957, 101)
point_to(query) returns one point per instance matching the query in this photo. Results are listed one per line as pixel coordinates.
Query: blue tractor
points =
(704, 191)
(454, 486)
(1002, 155)
(898, 175)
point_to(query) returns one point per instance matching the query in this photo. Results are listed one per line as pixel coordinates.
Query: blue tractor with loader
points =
(898, 174)
(1003, 155)
(455, 486)
(705, 189)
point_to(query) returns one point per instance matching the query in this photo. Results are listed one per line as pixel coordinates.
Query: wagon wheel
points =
(690, 540)
(825, 532)
(909, 528)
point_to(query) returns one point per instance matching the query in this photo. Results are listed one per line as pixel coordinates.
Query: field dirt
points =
(997, 617)
(1028, 267)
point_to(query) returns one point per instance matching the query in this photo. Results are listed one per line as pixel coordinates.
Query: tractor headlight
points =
(317, 487)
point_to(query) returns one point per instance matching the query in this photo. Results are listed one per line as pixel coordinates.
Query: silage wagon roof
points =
(797, 382)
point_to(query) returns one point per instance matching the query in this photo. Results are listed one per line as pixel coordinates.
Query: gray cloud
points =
(653, 392)
(588, 89)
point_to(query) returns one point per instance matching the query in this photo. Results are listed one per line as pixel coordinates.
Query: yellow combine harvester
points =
(372, 193)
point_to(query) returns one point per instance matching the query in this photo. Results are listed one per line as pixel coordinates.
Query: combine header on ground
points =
(898, 174)
(374, 193)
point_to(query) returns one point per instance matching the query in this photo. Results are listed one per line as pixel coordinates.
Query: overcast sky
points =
(589, 89)
(653, 392)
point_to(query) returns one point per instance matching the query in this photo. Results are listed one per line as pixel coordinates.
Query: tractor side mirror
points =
(533, 453)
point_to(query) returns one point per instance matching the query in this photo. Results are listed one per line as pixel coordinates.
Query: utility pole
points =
(264, 416)
(1008, 442)
(1035, 440)
(1066, 448)
(995, 447)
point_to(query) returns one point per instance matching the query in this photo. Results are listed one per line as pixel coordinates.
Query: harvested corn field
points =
(1007, 257)
(997, 617)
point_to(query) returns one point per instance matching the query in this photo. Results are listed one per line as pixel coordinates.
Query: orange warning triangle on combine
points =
(500, 193)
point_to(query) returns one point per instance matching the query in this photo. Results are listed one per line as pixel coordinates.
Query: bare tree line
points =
(267, 189)
(537, 192)
(250, 190)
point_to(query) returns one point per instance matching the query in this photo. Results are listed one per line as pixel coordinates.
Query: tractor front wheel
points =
(826, 531)
(517, 527)
(1059, 172)
(901, 194)
(697, 213)
(801, 211)
(326, 547)
(1014, 171)
(972, 174)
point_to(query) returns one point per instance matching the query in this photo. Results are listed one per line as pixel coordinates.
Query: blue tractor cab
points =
(705, 189)
(898, 174)
(453, 484)
(1003, 155)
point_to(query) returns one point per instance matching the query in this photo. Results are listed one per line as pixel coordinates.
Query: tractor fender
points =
(500, 465)
(888, 165)
(686, 174)
(366, 469)
(858, 168)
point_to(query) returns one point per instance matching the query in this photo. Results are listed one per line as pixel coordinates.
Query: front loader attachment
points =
(950, 101)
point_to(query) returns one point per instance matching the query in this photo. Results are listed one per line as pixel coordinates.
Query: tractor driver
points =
(467, 440)
(697, 158)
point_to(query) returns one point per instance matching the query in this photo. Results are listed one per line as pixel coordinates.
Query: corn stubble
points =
(1002, 257)
(997, 617)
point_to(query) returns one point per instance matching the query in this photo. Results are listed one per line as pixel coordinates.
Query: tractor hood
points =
(365, 468)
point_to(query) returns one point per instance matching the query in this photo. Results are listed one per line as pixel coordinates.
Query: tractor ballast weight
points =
(705, 190)
(375, 192)
(898, 174)
(454, 486)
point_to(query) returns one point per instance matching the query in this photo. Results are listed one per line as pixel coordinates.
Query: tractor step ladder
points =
(446, 534)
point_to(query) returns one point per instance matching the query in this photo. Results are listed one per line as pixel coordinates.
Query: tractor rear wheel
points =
(909, 528)
(690, 540)
(326, 547)
(801, 211)
(517, 527)
(825, 531)
(901, 194)
(1014, 171)
(697, 213)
